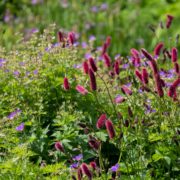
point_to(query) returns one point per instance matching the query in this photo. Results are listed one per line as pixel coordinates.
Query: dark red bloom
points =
(146, 54)
(138, 74)
(134, 52)
(93, 165)
(145, 76)
(154, 66)
(79, 173)
(60, 36)
(174, 55)
(104, 48)
(130, 112)
(59, 146)
(108, 41)
(93, 142)
(92, 64)
(92, 80)
(107, 60)
(86, 170)
(110, 129)
(126, 90)
(172, 89)
(101, 121)
(158, 82)
(71, 38)
(158, 48)
(85, 67)
(176, 67)
(116, 67)
(169, 21)
(81, 90)
(66, 84)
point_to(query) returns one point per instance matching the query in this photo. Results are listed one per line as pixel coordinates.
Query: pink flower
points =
(126, 90)
(92, 64)
(138, 74)
(101, 121)
(81, 90)
(66, 84)
(158, 48)
(93, 165)
(110, 129)
(116, 67)
(145, 76)
(174, 55)
(59, 146)
(169, 21)
(85, 67)
(86, 170)
(71, 38)
(107, 60)
(92, 80)
(146, 54)
(119, 99)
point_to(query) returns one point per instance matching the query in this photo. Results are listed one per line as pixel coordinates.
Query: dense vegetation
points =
(94, 96)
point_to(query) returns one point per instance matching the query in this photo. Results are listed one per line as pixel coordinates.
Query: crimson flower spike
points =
(92, 64)
(116, 67)
(145, 76)
(79, 173)
(60, 36)
(59, 146)
(158, 48)
(86, 170)
(154, 66)
(71, 37)
(108, 41)
(169, 21)
(101, 121)
(107, 60)
(138, 74)
(172, 89)
(93, 165)
(110, 129)
(92, 80)
(126, 90)
(66, 84)
(134, 52)
(85, 67)
(174, 55)
(81, 90)
(146, 54)
(176, 67)
(159, 85)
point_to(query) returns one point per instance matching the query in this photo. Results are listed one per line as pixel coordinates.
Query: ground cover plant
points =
(69, 111)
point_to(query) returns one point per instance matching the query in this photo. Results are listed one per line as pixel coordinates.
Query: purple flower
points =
(94, 9)
(34, 2)
(77, 66)
(104, 6)
(92, 38)
(2, 62)
(87, 56)
(16, 73)
(20, 127)
(114, 168)
(117, 56)
(74, 165)
(78, 157)
(125, 66)
(35, 72)
(13, 114)
(84, 45)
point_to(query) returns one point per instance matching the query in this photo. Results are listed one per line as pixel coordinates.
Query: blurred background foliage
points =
(128, 22)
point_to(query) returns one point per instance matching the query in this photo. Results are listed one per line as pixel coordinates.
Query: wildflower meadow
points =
(89, 90)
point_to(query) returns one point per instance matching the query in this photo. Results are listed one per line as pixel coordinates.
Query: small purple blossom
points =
(115, 168)
(35, 72)
(74, 165)
(94, 9)
(104, 6)
(117, 56)
(125, 66)
(78, 157)
(13, 114)
(77, 66)
(16, 73)
(87, 55)
(34, 2)
(2, 62)
(92, 38)
(20, 127)
(84, 45)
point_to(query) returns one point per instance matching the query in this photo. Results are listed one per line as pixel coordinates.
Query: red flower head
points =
(126, 90)
(93, 165)
(71, 38)
(85, 67)
(108, 41)
(174, 55)
(110, 129)
(66, 84)
(134, 52)
(60, 36)
(101, 121)
(176, 67)
(154, 66)
(81, 90)
(93, 142)
(158, 48)
(116, 67)
(107, 60)
(172, 89)
(146, 54)
(86, 170)
(92, 80)
(79, 173)
(145, 76)
(138, 74)
(169, 21)
(158, 82)
(92, 64)
(59, 146)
